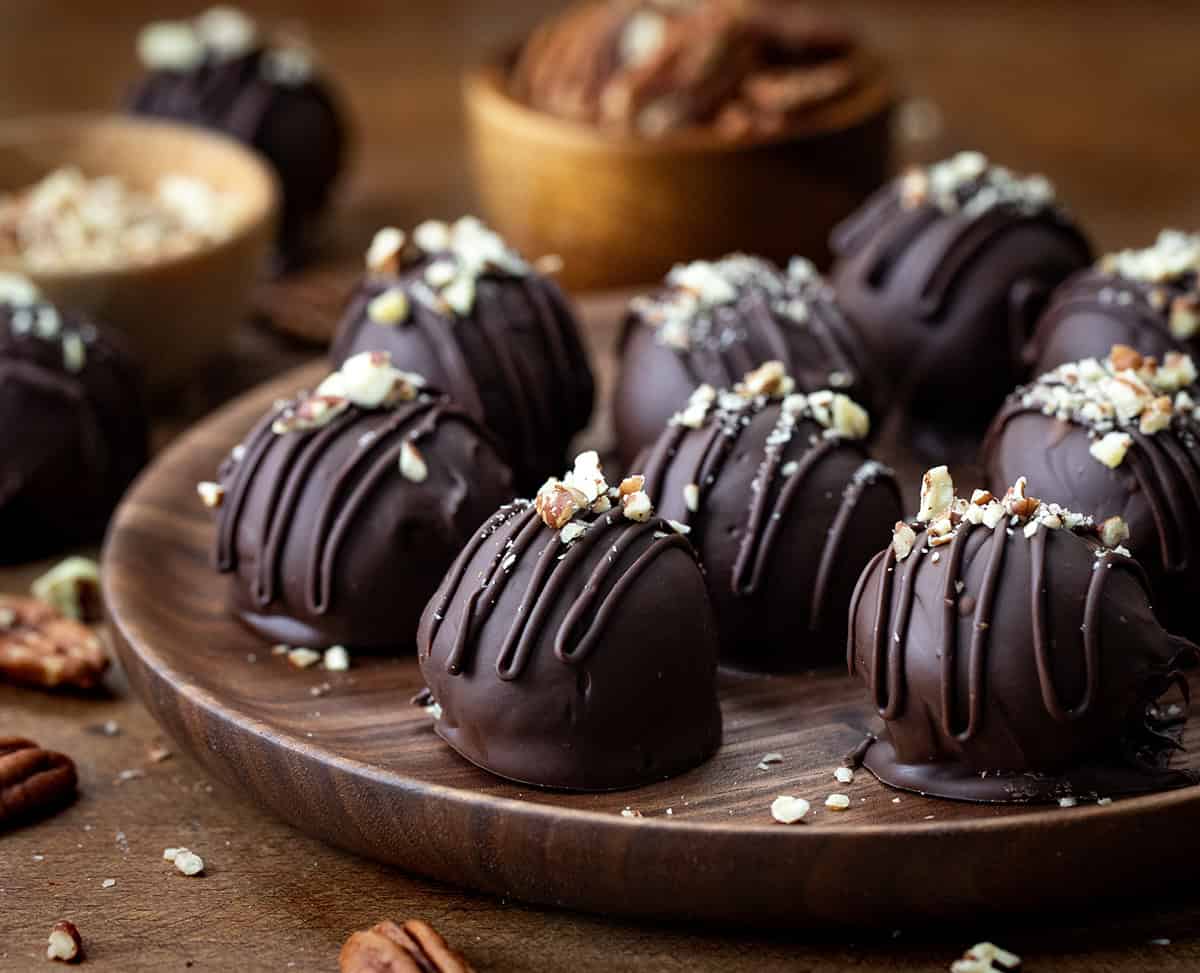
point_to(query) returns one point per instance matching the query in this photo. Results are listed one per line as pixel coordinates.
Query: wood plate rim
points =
(651, 835)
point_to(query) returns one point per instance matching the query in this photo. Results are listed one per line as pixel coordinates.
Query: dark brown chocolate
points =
(481, 323)
(785, 509)
(272, 97)
(1013, 657)
(581, 658)
(945, 272)
(72, 420)
(336, 520)
(711, 323)
(1146, 299)
(1064, 432)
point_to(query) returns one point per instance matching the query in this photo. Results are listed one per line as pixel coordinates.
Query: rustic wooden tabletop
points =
(1101, 96)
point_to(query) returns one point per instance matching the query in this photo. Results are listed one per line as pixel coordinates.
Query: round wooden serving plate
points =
(361, 767)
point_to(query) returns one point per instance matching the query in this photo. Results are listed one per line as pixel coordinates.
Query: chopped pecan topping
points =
(64, 943)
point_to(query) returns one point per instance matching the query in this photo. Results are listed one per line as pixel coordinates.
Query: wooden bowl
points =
(180, 310)
(621, 210)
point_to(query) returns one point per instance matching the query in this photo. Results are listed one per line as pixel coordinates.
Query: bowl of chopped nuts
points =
(157, 229)
(705, 131)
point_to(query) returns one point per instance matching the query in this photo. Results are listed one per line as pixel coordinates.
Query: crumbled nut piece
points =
(33, 781)
(699, 404)
(788, 810)
(1123, 357)
(843, 775)
(1067, 802)
(691, 497)
(769, 760)
(587, 477)
(303, 658)
(981, 498)
(970, 184)
(312, 412)
(1184, 320)
(390, 307)
(432, 236)
(170, 46)
(549, 264)
(41, 647)
(556, 503)
(280, 649)
(108, 883)
(158, 753)
(770, 379)
(1156, 416)
(187, 862)
(903, 540)
(937, 494)
(837, 802)
(1114, 532)
(212, 495)
(679, 528)
(572, 531)
(629, 812)
(65, 944)
(337, 659)
(73, 587)
(637, 506)
(631, 484)
(1111, 449)
(850, 420)
(387, 246)
(1177, 371)
(412, 463)
(388, 947)
(369, 381)
(987, 958)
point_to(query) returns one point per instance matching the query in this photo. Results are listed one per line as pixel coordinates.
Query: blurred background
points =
(1100, 96)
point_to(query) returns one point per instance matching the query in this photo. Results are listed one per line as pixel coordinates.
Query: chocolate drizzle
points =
(943, 734)
(515, 363)
(746, 518)
(583, 661)
(584, 622)
(298, 557)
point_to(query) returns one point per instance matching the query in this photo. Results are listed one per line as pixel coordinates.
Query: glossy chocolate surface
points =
(586, 666)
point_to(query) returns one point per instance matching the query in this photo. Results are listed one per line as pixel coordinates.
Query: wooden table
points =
(1101, 96)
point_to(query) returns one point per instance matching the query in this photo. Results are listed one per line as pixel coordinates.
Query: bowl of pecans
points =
(157, 229)
(626, 136)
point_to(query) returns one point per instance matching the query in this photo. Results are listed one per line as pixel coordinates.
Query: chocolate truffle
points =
(1146, 299)
(945, 272)
(221, 72)
(713, 322)
(1012, 651)
(72, 421)
(1117, 437)
(572, 645)
(458, 306)
(785, 510)
(343, 507)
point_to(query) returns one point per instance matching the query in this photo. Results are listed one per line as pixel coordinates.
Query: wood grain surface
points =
(1100, 95)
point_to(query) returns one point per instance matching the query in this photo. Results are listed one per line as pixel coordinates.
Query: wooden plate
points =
(361, 768)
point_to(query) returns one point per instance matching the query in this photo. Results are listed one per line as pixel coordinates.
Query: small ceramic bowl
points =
(620, 210)
(179, 310)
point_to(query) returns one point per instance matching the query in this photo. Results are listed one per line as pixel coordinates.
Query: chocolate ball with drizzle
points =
(713, 322)
(1012, 651)
(1146, 299)
(572, 645)
(459, 306)
(1117, 437)
(72, 421)
(785, 508)
(945, 272)
(342, 508)
(221, 72)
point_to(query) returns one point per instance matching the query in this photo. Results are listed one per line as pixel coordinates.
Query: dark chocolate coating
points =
(946, 303)
(298, 127)
(330, 544)
(781, 553)
(591, 667)
(1030, 683)
(72, 441)
(1086, 317)
(1156, 490)
(655, 379)
(516, 363)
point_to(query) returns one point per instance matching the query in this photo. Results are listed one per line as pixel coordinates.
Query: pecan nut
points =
(41, 647)
(33, 781)
(414, 947)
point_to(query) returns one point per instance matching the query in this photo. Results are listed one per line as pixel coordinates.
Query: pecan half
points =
(33, 781)
(41, 647)
(414, 947)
